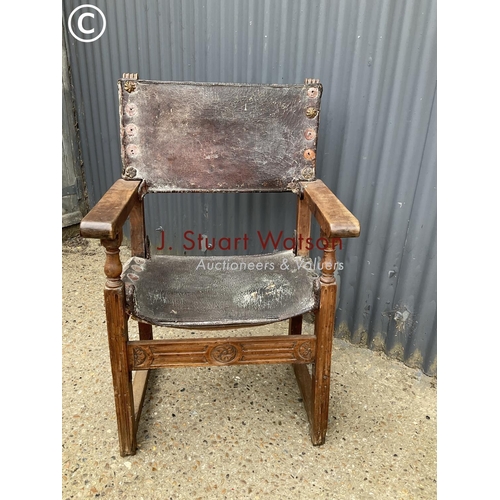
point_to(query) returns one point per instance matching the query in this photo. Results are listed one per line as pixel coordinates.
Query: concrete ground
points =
(237, 432)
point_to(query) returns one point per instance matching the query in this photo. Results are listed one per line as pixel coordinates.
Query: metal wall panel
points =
(377, 140)
(73, 199)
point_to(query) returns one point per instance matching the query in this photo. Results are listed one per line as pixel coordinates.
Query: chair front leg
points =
(323, 329)
(117, 323)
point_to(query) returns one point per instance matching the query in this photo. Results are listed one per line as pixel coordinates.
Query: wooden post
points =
(303, 231)
(323, 329)
(138, 241)
(139, 248)
(116, 319)
(303, 227)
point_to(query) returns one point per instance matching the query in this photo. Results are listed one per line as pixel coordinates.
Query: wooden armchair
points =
(205, 137)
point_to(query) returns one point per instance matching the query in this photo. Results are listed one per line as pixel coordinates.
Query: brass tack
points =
(131, 109)
(130, 172)
(130, 86)
(310, 134)
(309, 154)
(131, 129)
(307, 173)
(312, 92)
(311, 112)
(132, 149)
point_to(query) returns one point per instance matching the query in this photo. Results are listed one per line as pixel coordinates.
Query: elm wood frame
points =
(105, 222)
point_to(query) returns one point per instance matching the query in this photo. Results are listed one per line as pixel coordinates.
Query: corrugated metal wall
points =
(73, 199)
(377, 141)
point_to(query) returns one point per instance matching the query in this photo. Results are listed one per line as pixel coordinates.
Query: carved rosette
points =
(140, 356)
(305, 351)
(224, 353)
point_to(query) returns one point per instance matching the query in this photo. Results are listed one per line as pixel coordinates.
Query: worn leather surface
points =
(181, 136)
(188, 291)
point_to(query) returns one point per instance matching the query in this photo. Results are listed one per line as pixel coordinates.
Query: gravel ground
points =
(237, 432)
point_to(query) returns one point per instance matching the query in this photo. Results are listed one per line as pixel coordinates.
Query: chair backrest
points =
(214, 137)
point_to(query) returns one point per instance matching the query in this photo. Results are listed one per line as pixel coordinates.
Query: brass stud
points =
(312, 92)
(309, 154)
(130, 86)
(131, 129)
(132, 150)
(131, 109)
(310, 134)
(311, 112)
(307, 173)
(130, 172)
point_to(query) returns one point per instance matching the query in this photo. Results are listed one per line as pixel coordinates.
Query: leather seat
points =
(197, 292)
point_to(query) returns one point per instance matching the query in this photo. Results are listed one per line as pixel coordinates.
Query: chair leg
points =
(302, 374)
(141, 377)
(122, 376)
(295, 325)
(145, 331)
(323, 329)
(117, 324)
(315, 390)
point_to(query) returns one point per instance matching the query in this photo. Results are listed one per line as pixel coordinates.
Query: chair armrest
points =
(107, 217)
(333, 217)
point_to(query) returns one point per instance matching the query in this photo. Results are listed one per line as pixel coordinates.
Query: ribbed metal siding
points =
(73, 199)
(377, 141)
